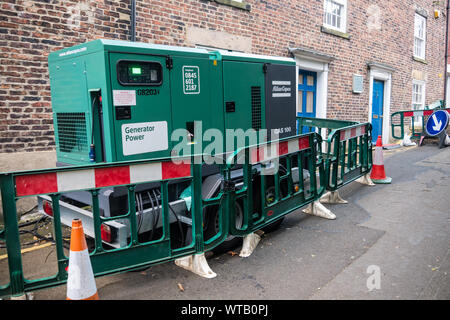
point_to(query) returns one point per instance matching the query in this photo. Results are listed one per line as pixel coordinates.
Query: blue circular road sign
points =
(437, 122)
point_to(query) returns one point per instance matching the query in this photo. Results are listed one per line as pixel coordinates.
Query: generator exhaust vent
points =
(72, 133)
(256, 107)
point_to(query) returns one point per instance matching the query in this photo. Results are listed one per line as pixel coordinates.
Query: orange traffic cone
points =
(378, 175)
(80, 281)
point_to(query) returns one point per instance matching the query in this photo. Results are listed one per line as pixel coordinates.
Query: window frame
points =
(413, 102)
(422, 54)
(343, 17)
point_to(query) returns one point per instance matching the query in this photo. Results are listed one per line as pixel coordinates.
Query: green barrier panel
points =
(54, 182)
(402, 119)
(347, 150)
(274, 182)
(265, 194)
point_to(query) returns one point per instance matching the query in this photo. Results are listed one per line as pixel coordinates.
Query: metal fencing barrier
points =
(278, 178)
(260, 184)
(56, 182)
(414, 120)
(347, 150)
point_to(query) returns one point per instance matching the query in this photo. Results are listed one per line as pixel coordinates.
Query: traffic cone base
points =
(387, 180)
(94, 297)
(80, 280)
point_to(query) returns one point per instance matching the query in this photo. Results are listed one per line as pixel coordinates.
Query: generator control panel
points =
(136, 73)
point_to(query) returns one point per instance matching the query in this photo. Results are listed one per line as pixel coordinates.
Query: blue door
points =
(377, 109)
(307, 85)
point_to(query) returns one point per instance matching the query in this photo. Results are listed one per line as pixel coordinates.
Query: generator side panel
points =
(280, 100)
(244, 100)
(71, 109)
(100, 100)
(197, 101)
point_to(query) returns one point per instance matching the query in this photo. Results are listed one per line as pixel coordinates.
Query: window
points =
(335, 15)
(418, 97)
(420, 31)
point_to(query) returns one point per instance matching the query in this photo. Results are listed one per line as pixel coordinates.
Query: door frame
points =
(309, 60)
(382, 73)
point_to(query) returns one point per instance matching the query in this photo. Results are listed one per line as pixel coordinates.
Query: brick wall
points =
(29, 30)
(273, 26)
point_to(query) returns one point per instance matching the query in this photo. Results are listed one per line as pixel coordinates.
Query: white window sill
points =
(237, 4)
(335, 32)
(418, 59)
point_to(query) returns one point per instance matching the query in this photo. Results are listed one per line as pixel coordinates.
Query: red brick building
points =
(357, 59)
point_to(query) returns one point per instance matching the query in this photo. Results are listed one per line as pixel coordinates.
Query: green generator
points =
(124, 101)
(116, 101)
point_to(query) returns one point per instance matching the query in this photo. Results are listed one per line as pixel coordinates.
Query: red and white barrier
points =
(273, 151)
(63, 181)
(352, 133)
(421, 113)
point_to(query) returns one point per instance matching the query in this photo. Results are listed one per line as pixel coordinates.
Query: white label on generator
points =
(191, 80)
(124, 97)
(144, 137)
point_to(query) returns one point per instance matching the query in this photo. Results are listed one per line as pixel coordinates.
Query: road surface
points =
(389, 242)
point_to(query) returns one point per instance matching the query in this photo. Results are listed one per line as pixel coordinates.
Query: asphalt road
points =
(401, 230)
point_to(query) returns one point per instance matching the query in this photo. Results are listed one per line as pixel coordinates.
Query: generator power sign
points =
(144, 137)
(191, 80)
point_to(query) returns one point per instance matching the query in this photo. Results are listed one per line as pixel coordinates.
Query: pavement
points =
(414, 213)
(389, 242)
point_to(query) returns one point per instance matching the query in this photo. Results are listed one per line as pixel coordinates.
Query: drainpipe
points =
(446, 53)
(133, 20)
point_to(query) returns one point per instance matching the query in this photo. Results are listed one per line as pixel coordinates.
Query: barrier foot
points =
(407, 141)
(197, 264)
(444, 140)
(319, 210)
(332, 197)
(25, 296)
(366, 180)
(250, 242)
